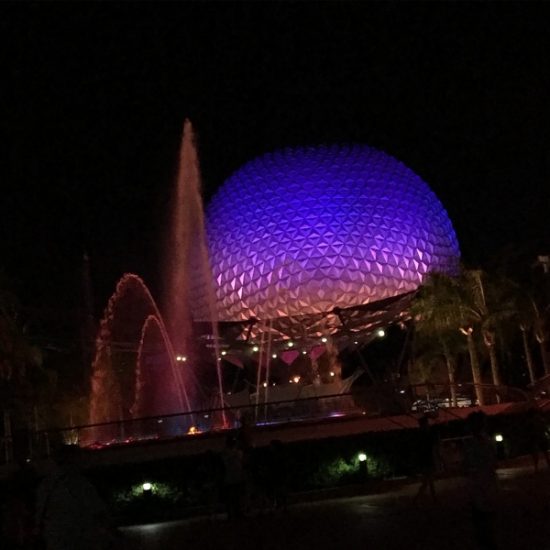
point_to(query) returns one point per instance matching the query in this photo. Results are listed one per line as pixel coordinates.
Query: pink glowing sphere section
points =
(301, 231)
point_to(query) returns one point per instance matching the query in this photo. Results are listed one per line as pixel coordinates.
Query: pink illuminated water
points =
(135, 372)
(119, 340)
(159, 381)
(187, 263)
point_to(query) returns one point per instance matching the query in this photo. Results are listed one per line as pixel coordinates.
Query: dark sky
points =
(93, 98)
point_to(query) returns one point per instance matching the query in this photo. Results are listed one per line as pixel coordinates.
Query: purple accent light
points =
(301, 231)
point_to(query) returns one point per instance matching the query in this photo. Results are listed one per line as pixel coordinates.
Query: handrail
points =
(194, 412)
(271, 404)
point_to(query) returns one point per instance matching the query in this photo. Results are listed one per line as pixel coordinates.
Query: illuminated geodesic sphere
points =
(301, 231)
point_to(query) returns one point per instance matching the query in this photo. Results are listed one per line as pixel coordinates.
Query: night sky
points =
(94, 95)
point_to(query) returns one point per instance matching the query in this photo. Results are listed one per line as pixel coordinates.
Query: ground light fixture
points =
(147, 487)
(362, 457)
(380, 333)
(499, 438)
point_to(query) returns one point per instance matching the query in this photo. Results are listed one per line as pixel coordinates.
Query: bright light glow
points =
(332, 374)
(290, 344)
(178, 357)
(296, 379)
(356, 342)
(401, 391)
(274, 356)
(362, 457)
(380, 333)
(193, 430)
(147, 487)
(324, 340)
(255, 349)
(265, 384)
(499, 438)
(304, 352)
(224, 352)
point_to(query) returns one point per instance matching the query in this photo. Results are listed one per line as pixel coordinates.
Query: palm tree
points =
(23, 381)
(475, 312)
(429, 358)
(487, 305)
(541, 331)
(439, 310)
(532, 316)
(526, 315)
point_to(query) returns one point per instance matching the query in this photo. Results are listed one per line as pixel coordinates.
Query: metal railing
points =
(371, 402)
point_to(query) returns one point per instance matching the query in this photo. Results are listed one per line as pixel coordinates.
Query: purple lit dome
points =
(302, 231)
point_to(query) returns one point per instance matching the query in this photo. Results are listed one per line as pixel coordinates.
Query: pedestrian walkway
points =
(382, 521)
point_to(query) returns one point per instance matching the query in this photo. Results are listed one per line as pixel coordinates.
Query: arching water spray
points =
(117, 347)
(158, 386)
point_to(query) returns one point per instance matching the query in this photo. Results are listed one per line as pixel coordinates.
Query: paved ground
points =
(386, 521)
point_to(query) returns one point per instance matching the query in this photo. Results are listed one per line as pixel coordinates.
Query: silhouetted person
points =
(69, 513)
(536, 432)
(428, 452)
(234, 478)
(277, 475)
(244, 436)
(17, 509)
(483, 488)
(245, 443)
(210, 481)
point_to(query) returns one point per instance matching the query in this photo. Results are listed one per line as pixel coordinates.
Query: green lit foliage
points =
(340, 471)
(159, 492)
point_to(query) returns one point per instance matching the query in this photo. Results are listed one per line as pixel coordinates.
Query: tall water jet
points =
(187, 263)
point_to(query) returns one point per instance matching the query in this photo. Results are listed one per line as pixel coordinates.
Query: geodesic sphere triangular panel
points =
(301, 231)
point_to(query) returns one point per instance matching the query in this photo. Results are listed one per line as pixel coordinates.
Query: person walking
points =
(70, 515)
(428, 454)
(536, 434)
(234, 479)
(483, 487)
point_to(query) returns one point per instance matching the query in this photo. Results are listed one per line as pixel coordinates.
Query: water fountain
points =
(135, 372)
(159, 390)
(187, 260)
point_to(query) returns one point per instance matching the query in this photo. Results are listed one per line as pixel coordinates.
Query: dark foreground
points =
(376, 522)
